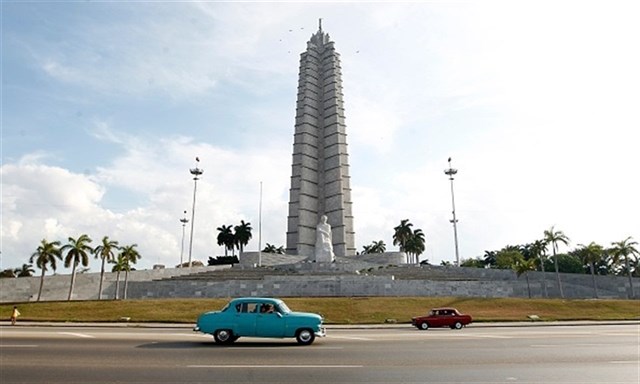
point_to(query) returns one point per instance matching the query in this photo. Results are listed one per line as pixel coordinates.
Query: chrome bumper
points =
(321, 333)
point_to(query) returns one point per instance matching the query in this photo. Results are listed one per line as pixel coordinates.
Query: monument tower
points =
(320, 182)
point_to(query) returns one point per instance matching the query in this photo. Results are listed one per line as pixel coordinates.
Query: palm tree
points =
(590, 255)
(46, 253)
(105, 251)
(25, 271)
(539, 249)
(78, 251)
(270, 248)
(378, 247)
(225, 237)
(280, 250)
(366, 249)
(402, 234)
(130, 256)
(553, 237)
(120, 264)
(242, 235)
(624, 249)
(523, 266)
(489, 258)
(415, 245)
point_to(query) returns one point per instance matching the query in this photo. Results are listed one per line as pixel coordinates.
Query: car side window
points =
(246, 307)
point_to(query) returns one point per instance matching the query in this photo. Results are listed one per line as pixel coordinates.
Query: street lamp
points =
(184, 222)
(260, 229)
(450, 172)
(195, 172)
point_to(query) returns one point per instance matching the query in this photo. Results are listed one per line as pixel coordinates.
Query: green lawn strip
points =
(338, 310)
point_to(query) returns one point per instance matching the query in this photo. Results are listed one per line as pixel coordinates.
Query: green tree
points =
(105, 252)
(46, 254)
(402, 234)
(78, 251)
(378, 247)
(553, 237)
(622, 250)
(226, 238)
(415, 245)
(490, 258)
(590, 255)
(507, 257)
(9, 272)
(478, 262)
(242, 235)
(130, 256)
(25, 271)
(120, 265)
(537, 251)
(270, 248)
(374, 247)
(523, 267)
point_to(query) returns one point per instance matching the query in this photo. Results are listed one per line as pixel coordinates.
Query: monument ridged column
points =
(320, 182)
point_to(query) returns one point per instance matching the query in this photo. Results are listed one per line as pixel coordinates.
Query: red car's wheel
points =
(457, 325)
(424, 326)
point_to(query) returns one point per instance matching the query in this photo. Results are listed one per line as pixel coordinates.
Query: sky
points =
(105, 105)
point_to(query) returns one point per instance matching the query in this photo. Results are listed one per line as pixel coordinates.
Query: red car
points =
(441, 317)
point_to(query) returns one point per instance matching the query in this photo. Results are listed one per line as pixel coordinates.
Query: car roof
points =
(444, 309)
(257, 300)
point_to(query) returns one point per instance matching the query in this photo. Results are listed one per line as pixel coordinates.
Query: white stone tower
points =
(320, 182)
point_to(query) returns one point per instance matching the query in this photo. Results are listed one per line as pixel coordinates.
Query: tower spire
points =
(320, 24)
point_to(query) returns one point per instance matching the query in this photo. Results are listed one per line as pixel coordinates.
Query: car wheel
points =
(305, 336)
(223, 336)
(457, 325)
(424, 326)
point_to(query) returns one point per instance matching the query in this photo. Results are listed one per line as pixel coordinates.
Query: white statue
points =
(324, 245)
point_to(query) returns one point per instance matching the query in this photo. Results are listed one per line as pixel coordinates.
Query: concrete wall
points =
(356, 278)
(56, 287)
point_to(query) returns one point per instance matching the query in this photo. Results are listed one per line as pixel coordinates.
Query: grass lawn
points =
(336, 310)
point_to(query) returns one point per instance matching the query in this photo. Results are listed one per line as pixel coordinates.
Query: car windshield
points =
(225, 307)
(282, 308)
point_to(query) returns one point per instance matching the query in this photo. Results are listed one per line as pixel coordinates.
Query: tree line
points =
(76, 252)
(410, 241)
(620, 258)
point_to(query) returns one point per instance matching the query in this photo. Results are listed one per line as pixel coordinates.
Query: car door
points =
(245, 319)
(270, 324)
(438, 319)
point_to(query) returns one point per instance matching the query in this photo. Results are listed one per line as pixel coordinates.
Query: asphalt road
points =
(558, 354)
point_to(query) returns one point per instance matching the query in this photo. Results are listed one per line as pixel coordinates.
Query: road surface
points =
(559, 354)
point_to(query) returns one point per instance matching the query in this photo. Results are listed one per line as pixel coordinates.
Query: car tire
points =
(224, 336)
(423, 326)
(305, 336)
(457, 325)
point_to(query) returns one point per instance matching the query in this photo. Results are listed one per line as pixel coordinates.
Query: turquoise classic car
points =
(259, 317)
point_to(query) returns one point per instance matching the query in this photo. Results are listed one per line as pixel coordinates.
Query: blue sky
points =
(105, 106)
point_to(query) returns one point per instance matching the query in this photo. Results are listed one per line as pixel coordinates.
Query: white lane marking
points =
(348, 338)
(77, 335)
(18, 346)
(275, 366)
(624, 362)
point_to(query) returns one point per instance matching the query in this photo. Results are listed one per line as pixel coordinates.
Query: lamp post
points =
(260, 229)
(450, 172)
(195, 172)
(184, 222)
